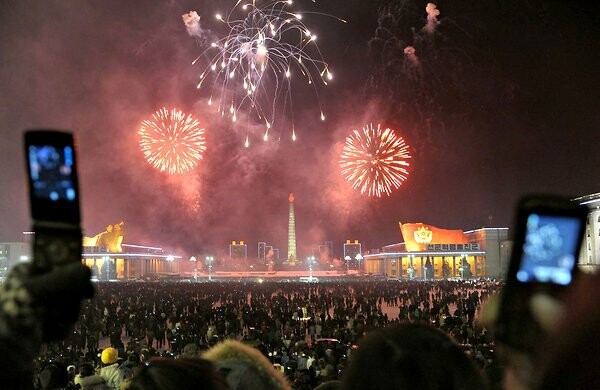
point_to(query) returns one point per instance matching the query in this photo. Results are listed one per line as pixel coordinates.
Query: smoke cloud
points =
(411, 55)
(191, 20)
(432, 18)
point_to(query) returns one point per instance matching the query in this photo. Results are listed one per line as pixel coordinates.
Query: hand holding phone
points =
(57, 280)
(548, 236)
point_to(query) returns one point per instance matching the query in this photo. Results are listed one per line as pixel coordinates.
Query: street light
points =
(411, 269)
(359, 258)
(347, 261)
(106, 267)
(209, 261)
(193, 259)
(170, 260)
(462, 266)
(310, 260)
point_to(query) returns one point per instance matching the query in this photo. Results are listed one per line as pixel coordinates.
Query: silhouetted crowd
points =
(308, 332)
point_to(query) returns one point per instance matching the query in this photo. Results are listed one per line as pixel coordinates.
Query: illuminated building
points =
(12, 253)
(262, 251)
(106, 263)
(134, 261)
(589, 257)
(110, 259)
(352, 254)
(238, 251)
(292, 256)
(429, 253)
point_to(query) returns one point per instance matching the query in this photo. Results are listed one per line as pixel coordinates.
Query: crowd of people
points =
(58, 331)
(307, 331)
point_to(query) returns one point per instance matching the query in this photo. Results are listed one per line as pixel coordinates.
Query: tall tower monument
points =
(291, 259)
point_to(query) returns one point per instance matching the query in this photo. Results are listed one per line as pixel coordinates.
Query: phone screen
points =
(52, 172)
(550, 249)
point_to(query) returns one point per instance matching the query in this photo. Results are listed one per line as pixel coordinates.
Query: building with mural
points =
(429, 252)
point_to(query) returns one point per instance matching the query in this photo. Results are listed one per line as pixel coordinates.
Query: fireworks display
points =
(254, 65)
(374, 160)
(171, 141)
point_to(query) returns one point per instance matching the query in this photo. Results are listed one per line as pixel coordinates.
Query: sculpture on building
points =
(110, 239)
(107, 241)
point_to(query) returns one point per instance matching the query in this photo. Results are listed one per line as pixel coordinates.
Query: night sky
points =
(503, 101)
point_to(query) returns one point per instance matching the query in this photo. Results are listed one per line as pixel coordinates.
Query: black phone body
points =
(52, 172)
(548, 236)
(54, 197)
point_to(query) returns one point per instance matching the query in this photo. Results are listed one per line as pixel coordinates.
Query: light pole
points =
(359, 258)
(170, 260)
(310, 260)
(106, 267)
(209, 261)
(347, 260)
(193, 259)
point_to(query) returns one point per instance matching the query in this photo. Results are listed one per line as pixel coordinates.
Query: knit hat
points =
(109, 356)
(190, 350)
(245, 367)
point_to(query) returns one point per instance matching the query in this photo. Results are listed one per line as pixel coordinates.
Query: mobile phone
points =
(548, 236)
(54, 198)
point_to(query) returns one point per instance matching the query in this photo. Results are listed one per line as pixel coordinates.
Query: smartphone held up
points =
(54, 198)
(548, 235)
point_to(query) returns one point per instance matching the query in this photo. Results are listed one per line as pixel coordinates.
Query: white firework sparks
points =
(254, 66)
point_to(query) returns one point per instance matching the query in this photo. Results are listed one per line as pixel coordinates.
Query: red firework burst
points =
(375, 160)
(171, 141)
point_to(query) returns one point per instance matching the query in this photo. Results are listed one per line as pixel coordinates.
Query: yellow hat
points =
(109, 356)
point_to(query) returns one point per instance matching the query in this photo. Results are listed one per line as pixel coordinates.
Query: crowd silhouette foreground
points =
(360, 333)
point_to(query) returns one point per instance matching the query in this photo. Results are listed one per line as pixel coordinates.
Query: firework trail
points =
(254, 65)
(171, 141)
(422, 71)
(374, 161)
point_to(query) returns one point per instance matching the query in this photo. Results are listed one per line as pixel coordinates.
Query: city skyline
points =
(495, 100)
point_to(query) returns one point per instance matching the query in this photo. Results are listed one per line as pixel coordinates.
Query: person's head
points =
(411, 356)
(86, 369)
(109, 356)
(183, 374)
(71, 370)
(245, 367)
(133, 358)
(53, 375)
(190, 351)
(329, 385)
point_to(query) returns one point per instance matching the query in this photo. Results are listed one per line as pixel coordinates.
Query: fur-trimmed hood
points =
(245, 367)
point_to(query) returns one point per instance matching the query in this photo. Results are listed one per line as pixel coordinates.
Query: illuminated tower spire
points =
(292, 233)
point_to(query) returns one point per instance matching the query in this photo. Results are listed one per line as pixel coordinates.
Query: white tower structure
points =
(292, 256)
